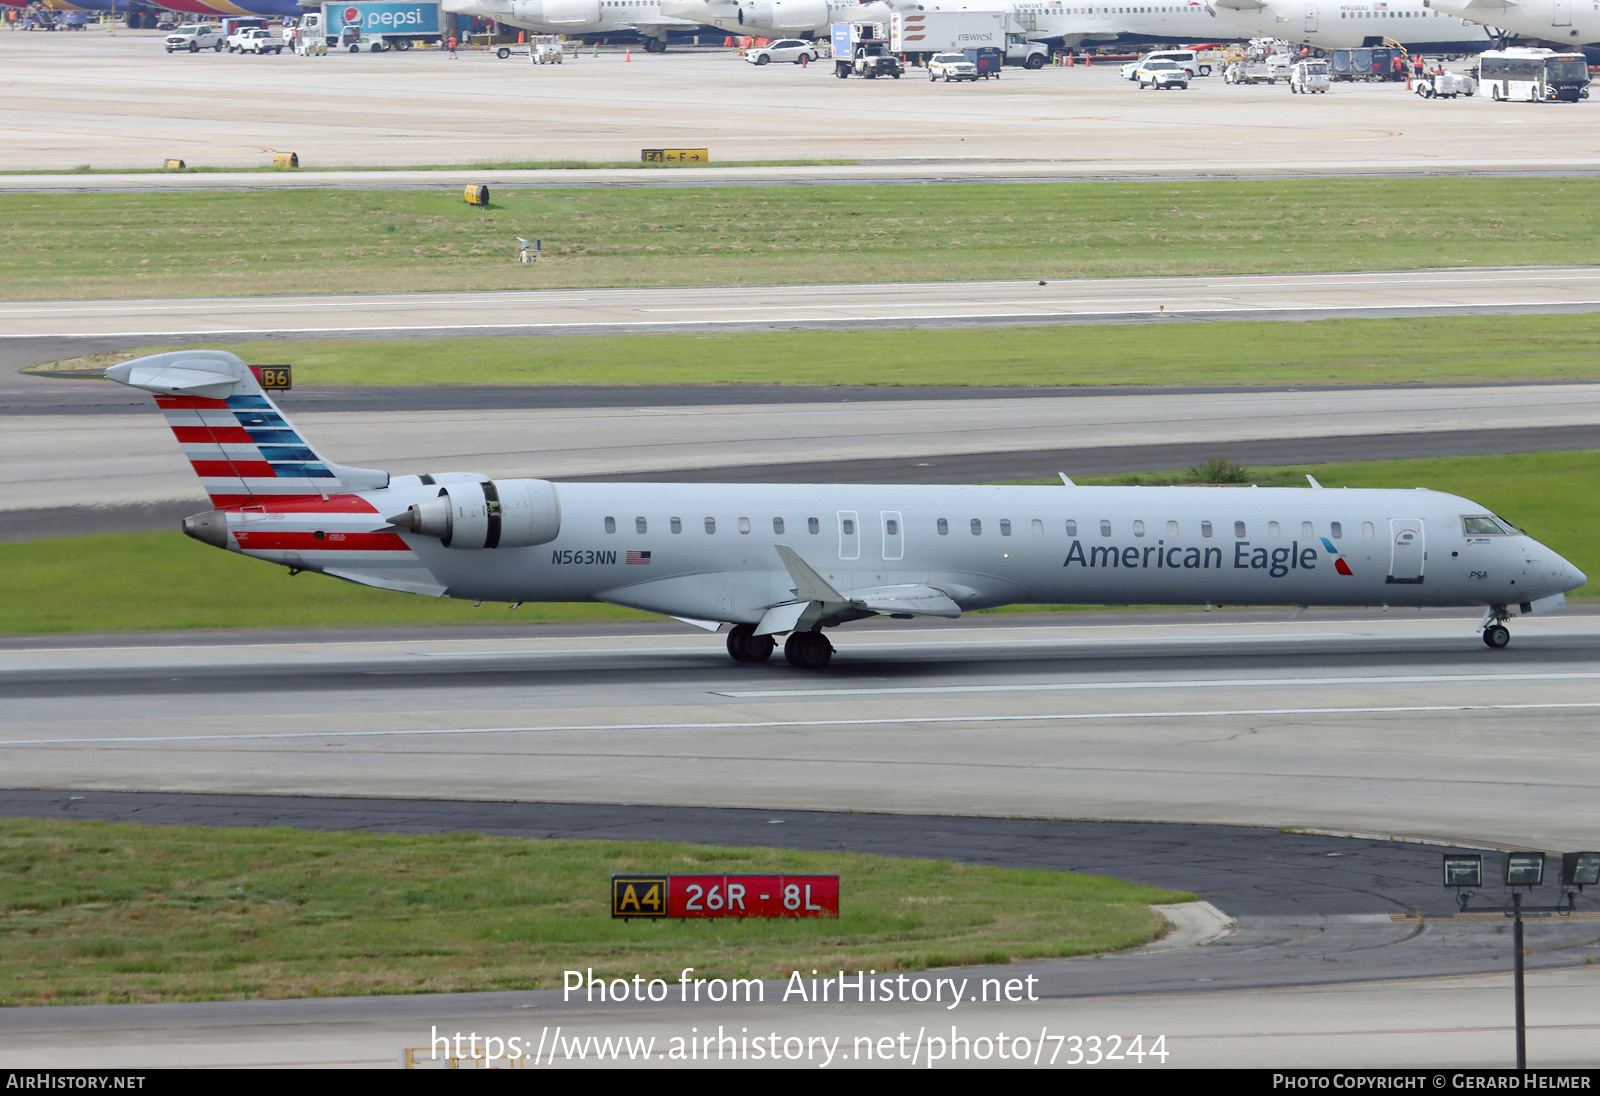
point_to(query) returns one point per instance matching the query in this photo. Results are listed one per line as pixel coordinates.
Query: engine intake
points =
(490, 514)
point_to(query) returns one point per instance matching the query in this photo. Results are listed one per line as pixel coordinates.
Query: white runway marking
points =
(783, 724)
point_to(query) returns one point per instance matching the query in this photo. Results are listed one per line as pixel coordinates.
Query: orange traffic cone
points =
(1069, 60)
(628, 54)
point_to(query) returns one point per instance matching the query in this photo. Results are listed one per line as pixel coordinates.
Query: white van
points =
(1186, 59)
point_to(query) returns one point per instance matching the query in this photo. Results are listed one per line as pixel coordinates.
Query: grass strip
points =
(1435, 350)
(99, 912)
(322, 241)
(164, 581)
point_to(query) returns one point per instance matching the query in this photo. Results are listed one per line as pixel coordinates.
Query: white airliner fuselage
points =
(1564, 24)
(1347, 24)
(775, 559)
(1040, 20)
(579, 17)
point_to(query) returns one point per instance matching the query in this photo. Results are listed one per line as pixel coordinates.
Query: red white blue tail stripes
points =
(245, 451)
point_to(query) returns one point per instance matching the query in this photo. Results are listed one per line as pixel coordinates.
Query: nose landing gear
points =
(1495, 633)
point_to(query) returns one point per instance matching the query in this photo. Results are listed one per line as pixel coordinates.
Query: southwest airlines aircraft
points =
(793, 559)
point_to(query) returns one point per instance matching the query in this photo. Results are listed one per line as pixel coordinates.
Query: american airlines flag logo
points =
(638, 557)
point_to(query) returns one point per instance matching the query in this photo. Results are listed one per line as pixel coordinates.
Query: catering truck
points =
(921, 34)
(375, 25)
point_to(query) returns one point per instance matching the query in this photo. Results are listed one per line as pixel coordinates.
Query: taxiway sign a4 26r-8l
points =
(771, 560)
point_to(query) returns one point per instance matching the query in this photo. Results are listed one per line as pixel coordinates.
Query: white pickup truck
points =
(195, 37)
(254, 40)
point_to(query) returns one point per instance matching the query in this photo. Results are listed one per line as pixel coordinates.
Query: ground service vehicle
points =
(1187, 59)
(1376, 63)
(254, 40)
(1162, 75)
(765, 560)
(194, 37)
(1440, 84)
(1310, 78)
(376, 25)
(857, 49)
(1533, 75)
(792, 50)
(923, 33)
(951, 66)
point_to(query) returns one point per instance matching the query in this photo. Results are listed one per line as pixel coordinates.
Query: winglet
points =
(1066, 481)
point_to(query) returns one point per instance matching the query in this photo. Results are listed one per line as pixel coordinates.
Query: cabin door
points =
(1407, 551)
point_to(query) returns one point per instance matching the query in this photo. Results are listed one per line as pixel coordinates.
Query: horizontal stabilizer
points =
(178, 374)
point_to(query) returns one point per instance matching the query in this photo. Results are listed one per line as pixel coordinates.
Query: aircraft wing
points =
(1216, 6)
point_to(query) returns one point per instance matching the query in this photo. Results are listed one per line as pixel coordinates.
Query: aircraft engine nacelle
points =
(491, 514)
(785, 17)
(556, 13)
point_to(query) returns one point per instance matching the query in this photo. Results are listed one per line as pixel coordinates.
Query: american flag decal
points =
(638, 557)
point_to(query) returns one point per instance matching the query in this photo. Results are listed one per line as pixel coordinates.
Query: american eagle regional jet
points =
(792, 559)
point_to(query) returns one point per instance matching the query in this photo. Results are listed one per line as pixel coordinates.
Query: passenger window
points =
(1072, 528)
(611, 525)
(1172, 528)
(1273, 530)
(1336, 529)
(1138, 528)
(849, 527)
(977, 527)
(1305, 529)
(744, 525)
(676, 525)
(1105, 527)
(1038, 527)
(892, 527)
(1238, 529)
(943, 526)
(639, 525)
(1367, 531)
(1005, 527)
(813, 526)
(777, 526)
(1205, 528)
(711, 525)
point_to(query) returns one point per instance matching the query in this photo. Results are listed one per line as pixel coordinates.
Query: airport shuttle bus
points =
(771, 560)
(1533, 75)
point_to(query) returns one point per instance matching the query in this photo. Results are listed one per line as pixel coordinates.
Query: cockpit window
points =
(1481, 525)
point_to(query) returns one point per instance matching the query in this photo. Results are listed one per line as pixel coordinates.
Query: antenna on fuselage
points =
(1066, 480)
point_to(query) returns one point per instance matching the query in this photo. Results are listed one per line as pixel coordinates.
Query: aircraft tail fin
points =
(242, 446)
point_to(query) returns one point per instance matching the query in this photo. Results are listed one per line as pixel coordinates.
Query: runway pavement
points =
(767, 307)
(1399, 724)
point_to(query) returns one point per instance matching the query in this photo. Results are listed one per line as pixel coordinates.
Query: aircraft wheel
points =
(745, 646)
(807, 650)
(1495, 636)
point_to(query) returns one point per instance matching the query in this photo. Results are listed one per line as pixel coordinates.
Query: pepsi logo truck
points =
(373, 25)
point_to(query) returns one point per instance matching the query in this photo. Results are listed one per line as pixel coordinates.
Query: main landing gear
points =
(745, 646)
(807, 650)
(1495, 633)
(803, 650)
